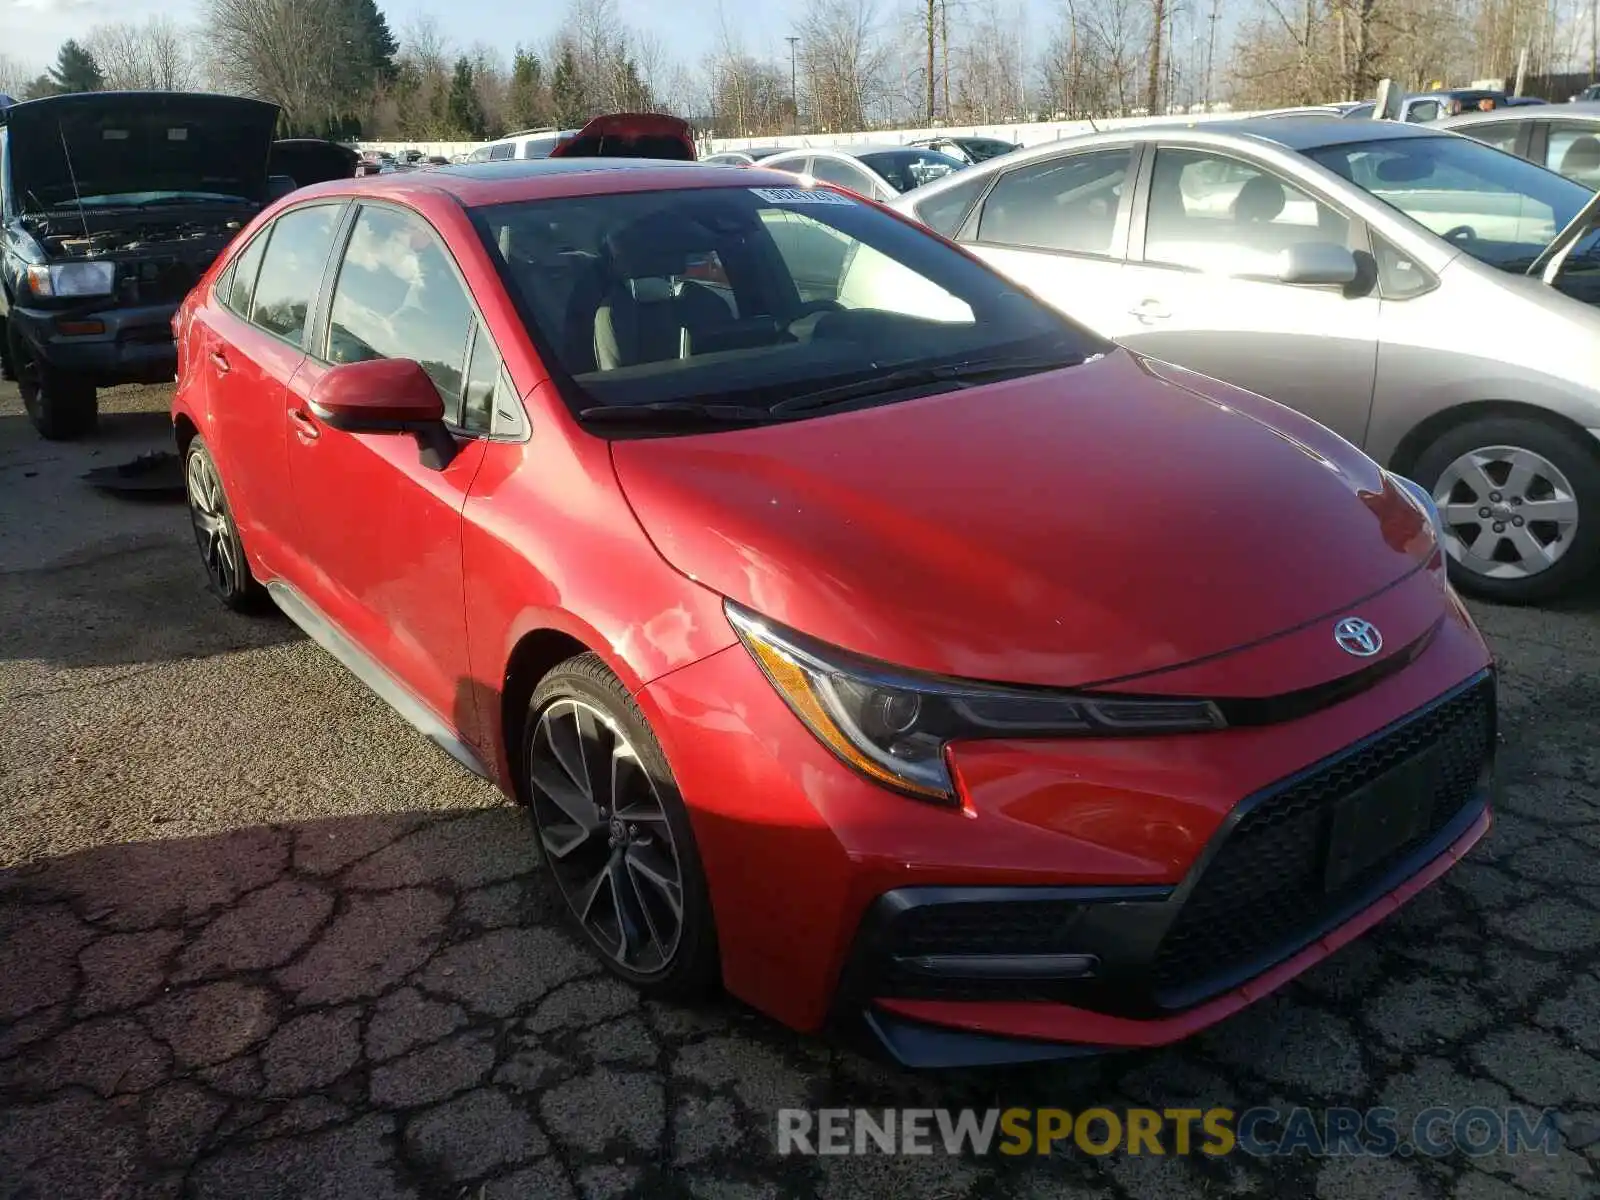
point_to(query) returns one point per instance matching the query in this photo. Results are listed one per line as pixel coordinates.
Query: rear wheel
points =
(615, 833)
(215, 532)
(1521, 506)
(60, 406)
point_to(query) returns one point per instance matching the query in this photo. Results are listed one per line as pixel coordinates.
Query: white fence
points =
(1026, 134)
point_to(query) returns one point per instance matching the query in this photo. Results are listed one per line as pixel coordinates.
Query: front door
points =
(1204, 294)
(381, 531)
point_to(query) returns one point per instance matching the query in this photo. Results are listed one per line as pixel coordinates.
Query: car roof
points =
(1293, 133)
(480, 183)
(1578, 110)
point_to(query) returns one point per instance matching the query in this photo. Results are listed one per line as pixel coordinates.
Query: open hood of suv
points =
(114, 143)
(631, 135)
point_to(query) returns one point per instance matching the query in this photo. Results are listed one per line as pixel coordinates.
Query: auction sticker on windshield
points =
(800, 196)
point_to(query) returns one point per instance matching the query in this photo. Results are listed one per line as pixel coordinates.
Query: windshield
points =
(906, 169)
(1500, 209)
(750, 295)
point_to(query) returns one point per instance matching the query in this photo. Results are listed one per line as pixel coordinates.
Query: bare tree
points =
(15, 76)
(152, 56)
(845, 61)
(286, 51)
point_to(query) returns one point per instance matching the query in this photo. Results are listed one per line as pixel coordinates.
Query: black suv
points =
(112, 205)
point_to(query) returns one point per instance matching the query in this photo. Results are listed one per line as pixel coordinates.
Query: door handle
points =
(304, 425)
(1149, 310)
(219, 360)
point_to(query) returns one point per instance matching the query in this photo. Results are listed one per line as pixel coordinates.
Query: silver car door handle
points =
(1149, 310)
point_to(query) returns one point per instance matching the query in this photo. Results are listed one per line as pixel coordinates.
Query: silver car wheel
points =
(1509, 513)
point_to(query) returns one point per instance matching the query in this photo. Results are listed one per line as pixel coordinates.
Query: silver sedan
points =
(1429, 298)
(1563, 137)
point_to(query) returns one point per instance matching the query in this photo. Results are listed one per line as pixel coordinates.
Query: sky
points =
(33, 30)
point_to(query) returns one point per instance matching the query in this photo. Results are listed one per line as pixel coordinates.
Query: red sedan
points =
(861, 634)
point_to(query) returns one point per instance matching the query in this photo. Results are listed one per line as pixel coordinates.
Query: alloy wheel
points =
(212, 530)
(606, 835)
(1509, 513)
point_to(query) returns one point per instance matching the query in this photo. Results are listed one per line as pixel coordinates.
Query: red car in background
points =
(861, 633)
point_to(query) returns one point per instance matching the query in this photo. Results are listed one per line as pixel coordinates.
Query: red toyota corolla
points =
(859, 632)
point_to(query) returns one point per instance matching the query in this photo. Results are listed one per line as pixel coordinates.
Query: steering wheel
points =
(1461, 233)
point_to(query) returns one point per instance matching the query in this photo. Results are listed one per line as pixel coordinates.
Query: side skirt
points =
(367, 669)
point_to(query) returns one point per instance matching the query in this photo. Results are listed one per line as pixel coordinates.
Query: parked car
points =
(967, 149)
(529, 143)
(1421, 107)
(930, 665)
(632, 135)
(1327, 264)
(746, 157)
(112, 205)
(313, 160)
(1562, 137)
(877, 172)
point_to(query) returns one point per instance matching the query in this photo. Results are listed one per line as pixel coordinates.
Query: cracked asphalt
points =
(258, 939)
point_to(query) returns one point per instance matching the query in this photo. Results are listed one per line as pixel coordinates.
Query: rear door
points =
(1202, 289)
(251, 335)
(1059, 227)
(843, 173)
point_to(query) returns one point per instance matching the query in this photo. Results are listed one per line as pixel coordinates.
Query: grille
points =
(1263, 894)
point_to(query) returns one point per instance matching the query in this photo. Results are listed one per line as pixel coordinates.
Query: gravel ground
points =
(259, 939)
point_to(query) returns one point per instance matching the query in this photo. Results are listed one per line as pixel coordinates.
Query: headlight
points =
(65, 280)
(893, 726)
(1423, 500)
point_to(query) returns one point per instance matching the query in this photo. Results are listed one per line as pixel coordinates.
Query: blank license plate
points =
(1369, 825)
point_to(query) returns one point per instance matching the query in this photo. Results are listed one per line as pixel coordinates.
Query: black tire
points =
(61, 407)
(692, 970)
(228, 573)
(1573, 457)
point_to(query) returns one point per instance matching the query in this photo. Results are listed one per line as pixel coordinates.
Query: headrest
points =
(1261, 199)
(654, 246)
(1583, 156)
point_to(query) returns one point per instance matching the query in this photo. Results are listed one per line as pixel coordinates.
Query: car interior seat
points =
(649, 313)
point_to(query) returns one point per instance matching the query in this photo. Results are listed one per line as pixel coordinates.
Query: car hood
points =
(1075, 527)
(122, 142)
(631, 135)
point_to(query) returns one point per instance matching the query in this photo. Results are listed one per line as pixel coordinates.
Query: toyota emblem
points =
(1358, 637)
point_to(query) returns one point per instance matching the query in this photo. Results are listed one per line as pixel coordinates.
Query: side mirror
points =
(1317, 264)
(386, 395)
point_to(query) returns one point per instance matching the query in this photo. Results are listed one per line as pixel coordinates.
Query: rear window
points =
(906, 169)
(749, 295)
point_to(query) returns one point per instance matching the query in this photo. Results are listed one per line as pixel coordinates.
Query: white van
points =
(527, 143)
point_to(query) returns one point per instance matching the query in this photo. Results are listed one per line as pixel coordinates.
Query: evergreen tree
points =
(466, 110)
(76, 70)
(526, 101)
(568, 96)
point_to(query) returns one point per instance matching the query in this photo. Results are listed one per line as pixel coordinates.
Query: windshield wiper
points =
(675, 412)
(975, 370)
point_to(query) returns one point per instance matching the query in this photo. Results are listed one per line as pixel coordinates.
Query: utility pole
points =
(1211, 49)
(794, 86)
(1522, 70)
(1594, 40)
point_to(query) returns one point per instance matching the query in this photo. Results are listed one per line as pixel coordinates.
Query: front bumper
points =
(1124, 850)
(936, 973)
(134, 345)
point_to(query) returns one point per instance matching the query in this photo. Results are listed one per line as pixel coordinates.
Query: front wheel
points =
(61, 406)
(615, 833)
(1521, 506)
